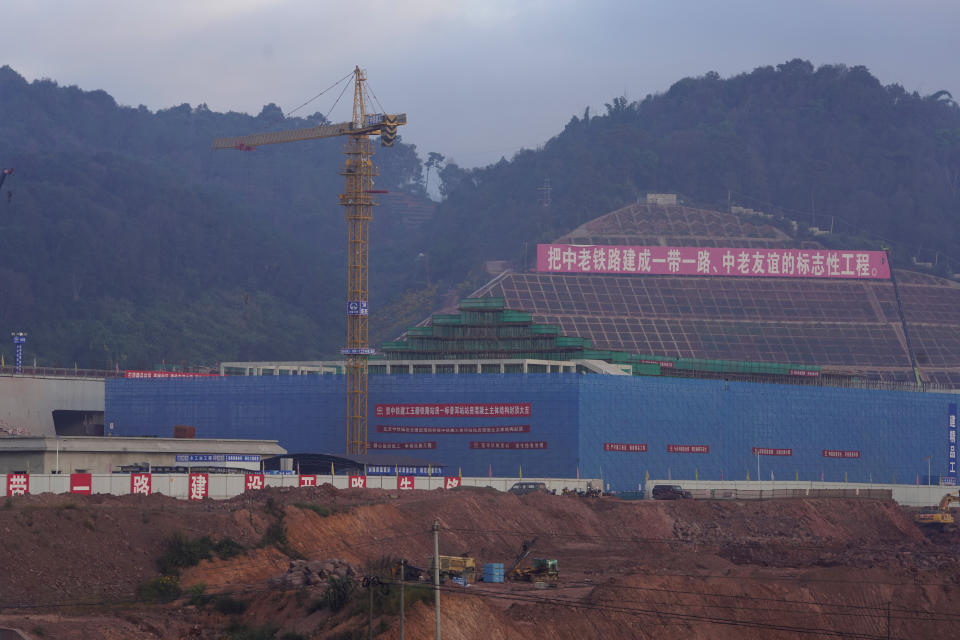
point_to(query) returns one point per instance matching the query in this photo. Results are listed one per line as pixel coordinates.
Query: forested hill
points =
(125, 241)
(823, 146)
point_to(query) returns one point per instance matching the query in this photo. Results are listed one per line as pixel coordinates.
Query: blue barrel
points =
(493, 572)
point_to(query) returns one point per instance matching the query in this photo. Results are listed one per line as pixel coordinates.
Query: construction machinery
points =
(461, 569)
(940, 514)
(539, 570)
(358, 203)
(410, 573)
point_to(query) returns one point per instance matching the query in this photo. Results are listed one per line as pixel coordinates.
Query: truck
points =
(454, 567)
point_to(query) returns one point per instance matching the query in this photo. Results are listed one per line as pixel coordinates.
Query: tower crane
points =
(357, 200)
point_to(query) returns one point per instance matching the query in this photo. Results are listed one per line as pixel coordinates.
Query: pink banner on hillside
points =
(712, 261)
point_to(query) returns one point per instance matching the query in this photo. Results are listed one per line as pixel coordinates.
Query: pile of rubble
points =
(305, 573)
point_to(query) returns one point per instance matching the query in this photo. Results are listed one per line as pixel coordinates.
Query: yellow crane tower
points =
(357, 200)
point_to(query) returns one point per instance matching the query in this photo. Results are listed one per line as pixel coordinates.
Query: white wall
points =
(906, 494)
(223, 486)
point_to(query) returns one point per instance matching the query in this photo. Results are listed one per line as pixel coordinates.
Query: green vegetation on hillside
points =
(127, 242)
(827, 147)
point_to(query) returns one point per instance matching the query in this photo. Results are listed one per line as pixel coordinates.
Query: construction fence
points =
(907, 495)
(197, 486)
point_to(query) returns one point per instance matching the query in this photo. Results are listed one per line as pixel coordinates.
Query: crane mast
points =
(358, 172)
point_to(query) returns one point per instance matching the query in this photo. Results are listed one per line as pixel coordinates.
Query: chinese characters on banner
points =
(766, 451)
(712, 261)
(18, 484)
(451, 482)
(453, 410)
(253, 482)
(81, 483)
(402, 445)
(405, 483)
(199, 488)
(540, 444)
(688, 448)
(308, 481)
(510, 428)
(168, 374)
(951, 478)
(843, 455)
(140, 483)
(628, 448)
(358, 482)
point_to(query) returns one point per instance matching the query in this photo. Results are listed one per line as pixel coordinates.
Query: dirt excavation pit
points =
(290, 563)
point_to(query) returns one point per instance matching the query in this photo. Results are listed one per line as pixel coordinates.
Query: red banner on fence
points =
(451, 482)
(766, 451)
(712, 261)
(253, 482)
(18, 484)
(358, 482)
(688, 448)
(199, 487)
(621, 446)
(452, 410)
(81, 483)
(140, 483)
(405, 483)
(540, 444)
(308, 481)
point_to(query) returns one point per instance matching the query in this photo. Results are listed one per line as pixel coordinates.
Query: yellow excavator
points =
(940, 514)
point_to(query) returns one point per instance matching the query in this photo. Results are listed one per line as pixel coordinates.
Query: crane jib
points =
(384, 125)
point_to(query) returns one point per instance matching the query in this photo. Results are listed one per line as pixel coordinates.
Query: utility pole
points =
(370, 614)
(436, 572)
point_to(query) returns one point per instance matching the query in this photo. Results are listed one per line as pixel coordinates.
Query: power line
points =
(688, 617)
(640, 540)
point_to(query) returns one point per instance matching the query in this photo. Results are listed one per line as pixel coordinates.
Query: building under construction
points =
(712, 375)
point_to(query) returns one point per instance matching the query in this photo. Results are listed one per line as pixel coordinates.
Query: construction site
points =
(322, 563)
(661, 350)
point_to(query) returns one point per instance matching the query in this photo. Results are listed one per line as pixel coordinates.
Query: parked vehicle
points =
(522, 488)
(670, 492)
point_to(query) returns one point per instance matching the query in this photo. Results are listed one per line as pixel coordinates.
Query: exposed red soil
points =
(629, 569)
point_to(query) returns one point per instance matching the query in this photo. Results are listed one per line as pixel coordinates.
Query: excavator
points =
(940, 514)
(541, 569)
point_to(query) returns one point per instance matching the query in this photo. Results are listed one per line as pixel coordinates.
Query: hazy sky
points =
(477, 79)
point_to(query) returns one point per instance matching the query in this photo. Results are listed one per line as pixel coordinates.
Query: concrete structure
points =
(47, 405)
(103, 454)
